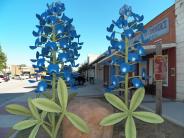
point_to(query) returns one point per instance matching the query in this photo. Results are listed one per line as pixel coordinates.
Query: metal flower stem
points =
(53, 85)
(126, 76)
(54, 77)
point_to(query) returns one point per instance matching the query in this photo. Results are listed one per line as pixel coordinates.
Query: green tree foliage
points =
(83, 67)
(3, 59)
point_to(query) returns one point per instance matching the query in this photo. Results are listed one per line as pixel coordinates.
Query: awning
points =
(149, 49)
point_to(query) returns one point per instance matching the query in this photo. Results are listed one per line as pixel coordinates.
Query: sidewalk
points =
(171, 110)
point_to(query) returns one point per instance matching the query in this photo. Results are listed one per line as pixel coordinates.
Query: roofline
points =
(159, 15)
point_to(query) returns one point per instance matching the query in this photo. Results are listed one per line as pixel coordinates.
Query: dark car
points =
(79, 79)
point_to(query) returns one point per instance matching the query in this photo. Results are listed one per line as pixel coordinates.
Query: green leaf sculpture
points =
(129, 113)
(25, 124)
(18, 110)
(46, 105)
(77, 122)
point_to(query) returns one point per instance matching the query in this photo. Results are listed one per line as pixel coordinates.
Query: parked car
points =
(16, 77)
(24, 76)
(1, 78)
(6, 78)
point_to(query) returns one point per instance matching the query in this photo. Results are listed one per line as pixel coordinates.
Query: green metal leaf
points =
(113, 119)
(50, 117)
(25, 124)
(17, 110)
(46, 105)
(148, 117)
(43, 115)
(130, 128)
(33, 109)
(116, 102)
(137, 98)
(77, 122)
(34, 131)
(62, 94)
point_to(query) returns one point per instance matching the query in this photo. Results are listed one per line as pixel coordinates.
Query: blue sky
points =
(91, 17)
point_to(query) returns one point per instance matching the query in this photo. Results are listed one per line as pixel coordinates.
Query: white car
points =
(1, 78)
(24, 76)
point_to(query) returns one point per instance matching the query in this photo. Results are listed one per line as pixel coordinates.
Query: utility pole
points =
(158, 71)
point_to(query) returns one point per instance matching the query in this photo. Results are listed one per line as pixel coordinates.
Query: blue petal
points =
(35, 34)
(110, 29)
(33, 60)
(43, 39)
(47, 30)
(37, 55)
(32, 47)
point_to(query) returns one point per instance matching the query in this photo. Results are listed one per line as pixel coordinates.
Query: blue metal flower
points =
(129, 32)
(59, 28)
(137, 83)
(125, 68)
(42, 86)
(53, 68)
(63, 57)
(51, 46)
(133, 57)
(41, 62)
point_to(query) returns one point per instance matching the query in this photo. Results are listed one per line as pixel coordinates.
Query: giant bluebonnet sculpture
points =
(59, 44)
(126, 52)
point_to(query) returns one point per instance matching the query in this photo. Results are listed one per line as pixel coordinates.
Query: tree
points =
(3, 59)
(83, 67)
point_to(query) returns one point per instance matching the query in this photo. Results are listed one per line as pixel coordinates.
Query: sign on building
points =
(158, 67)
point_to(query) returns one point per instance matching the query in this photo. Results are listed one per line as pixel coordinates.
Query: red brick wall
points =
(170, 37)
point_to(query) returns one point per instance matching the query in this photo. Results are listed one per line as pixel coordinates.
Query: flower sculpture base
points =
(92, 111)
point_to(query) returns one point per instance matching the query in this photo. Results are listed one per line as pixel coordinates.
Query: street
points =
(16, 86)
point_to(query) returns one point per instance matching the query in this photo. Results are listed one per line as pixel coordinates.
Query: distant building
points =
(18, 70)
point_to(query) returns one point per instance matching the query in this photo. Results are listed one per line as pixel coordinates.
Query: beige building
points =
(18, 70)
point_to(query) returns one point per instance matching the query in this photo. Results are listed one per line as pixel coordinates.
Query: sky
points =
(91, 17)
